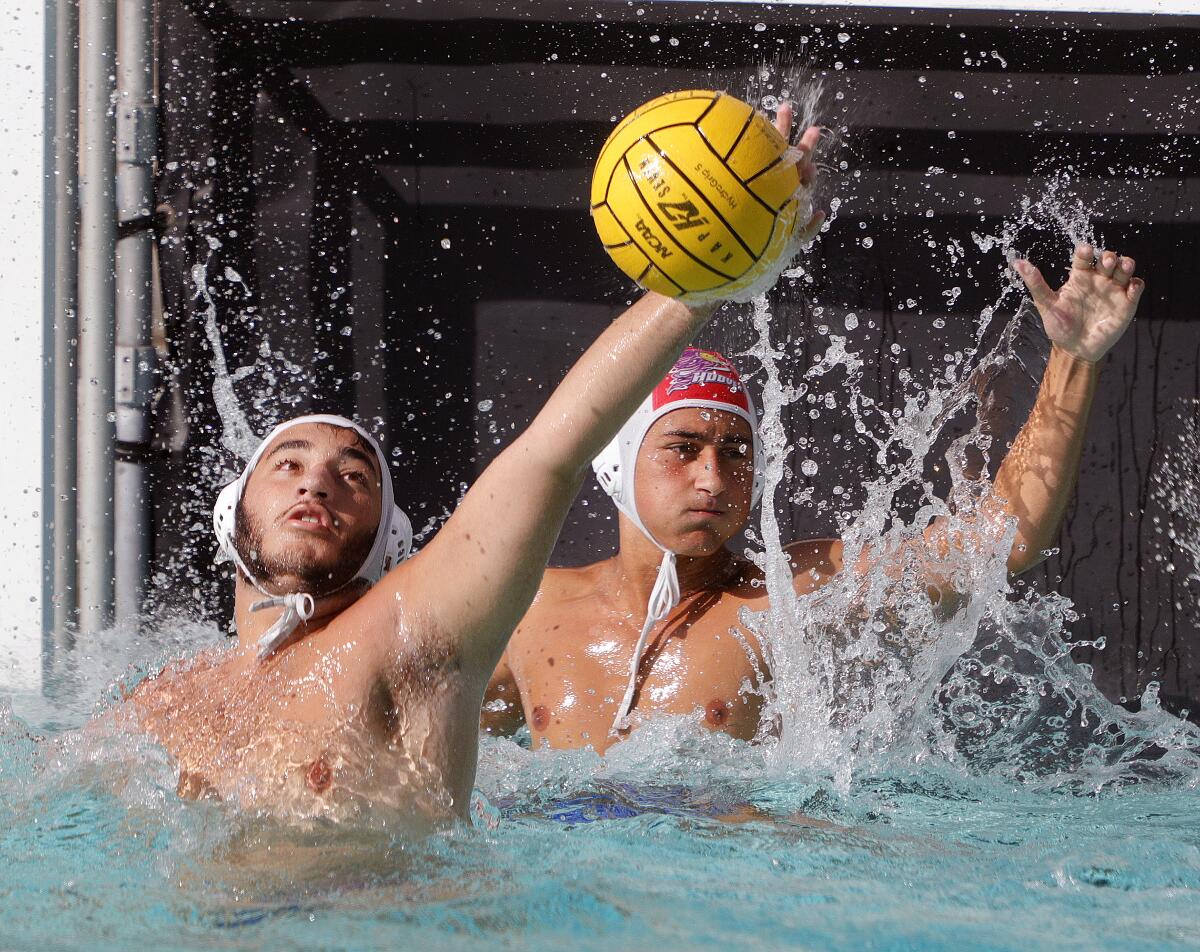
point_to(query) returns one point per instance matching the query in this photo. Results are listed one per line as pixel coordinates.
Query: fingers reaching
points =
(1105, 263)
(1084, 257)
(809, 231)
(1090, 312)
(1043, 295)
(808, 141)
(1123, 273)
(783, 120)
(806, 146)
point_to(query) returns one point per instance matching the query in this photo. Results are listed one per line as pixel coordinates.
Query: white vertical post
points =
(62, 615)
(97, 361)
(23, 304)
(136, 142)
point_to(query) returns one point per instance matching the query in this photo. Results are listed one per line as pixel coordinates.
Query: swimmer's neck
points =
(251, 626)
(635, 567)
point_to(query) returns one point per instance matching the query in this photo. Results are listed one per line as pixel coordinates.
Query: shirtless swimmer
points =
(647, 632)
(355, 684)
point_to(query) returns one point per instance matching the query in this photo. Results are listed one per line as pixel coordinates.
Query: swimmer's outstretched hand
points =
(1088, 314)
(808, 169)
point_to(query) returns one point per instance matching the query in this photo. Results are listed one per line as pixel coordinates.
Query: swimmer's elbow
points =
(1024, 557)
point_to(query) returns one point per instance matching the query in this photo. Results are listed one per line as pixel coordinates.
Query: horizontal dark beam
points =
(711, 45)
(550, 145)
(524, 253)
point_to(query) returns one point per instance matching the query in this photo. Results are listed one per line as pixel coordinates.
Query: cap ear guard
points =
(607, 467)
(225, 521)
(398, 543)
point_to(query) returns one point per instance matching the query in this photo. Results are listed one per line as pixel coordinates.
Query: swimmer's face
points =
(310, 510)
(693, 479)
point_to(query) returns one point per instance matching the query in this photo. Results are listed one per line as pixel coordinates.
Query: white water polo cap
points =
(393, 537)
(700, 378)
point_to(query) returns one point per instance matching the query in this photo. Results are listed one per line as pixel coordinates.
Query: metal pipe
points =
(66, 221)
(97, 251)
(136, 142)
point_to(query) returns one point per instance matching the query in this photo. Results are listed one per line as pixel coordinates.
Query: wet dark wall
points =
(385, 204)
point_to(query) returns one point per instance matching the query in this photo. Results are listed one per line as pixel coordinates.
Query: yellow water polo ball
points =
(696, 195)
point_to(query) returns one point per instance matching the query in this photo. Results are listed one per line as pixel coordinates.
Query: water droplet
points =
(485, 405)
(868, 242)
(809, 467)
(446, 243)
(760, 27)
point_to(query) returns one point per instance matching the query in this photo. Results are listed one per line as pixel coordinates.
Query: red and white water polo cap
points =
(700, 378)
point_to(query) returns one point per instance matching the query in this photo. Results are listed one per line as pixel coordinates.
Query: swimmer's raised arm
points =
(1083, 319)
(483, 568)
(476, 579)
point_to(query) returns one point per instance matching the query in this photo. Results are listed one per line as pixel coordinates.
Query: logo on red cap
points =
(701, 375)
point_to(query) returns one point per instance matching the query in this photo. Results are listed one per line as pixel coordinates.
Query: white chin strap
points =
(297, 608)
(663, 599)
(614, 469)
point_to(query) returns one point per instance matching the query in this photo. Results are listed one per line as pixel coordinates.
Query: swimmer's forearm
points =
(1037, 477)
(612, 377)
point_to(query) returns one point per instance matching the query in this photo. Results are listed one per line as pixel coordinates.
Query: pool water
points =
(677, 840)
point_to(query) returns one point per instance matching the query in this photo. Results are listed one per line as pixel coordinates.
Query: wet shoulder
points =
(157, 697)
(559, 596)
(562, 585)
(814, 562)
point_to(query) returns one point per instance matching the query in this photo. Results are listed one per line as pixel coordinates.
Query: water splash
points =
(1175, 490)
(277, 384)
(869, 673)
(237, 435)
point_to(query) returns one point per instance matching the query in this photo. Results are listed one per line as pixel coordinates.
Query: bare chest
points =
(299, 741)
(701, 663)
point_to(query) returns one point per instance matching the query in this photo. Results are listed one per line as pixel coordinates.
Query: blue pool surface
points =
(679, 841)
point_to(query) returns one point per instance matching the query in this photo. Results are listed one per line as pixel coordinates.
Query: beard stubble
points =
(292, 569)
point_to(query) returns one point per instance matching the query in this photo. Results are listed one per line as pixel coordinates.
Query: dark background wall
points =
(389, 201)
